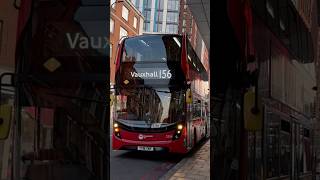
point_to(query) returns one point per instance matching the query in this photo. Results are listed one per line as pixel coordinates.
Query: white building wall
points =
(140, 5)
(152, 15)
(164, 18)
(141, 26)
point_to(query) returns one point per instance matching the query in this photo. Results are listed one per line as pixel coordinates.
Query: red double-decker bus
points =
(160, 95)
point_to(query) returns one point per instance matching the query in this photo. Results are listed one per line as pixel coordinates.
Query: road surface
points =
(135, 165)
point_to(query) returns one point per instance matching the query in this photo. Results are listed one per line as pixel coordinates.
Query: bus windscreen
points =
(147, 107)
(151, 60)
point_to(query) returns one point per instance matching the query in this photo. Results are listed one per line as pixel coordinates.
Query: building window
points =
(160, 5)
(173, 5)
(159, 27)
(203, 47)
(123, 32)
(272, 141)
(147, 4)
(135, 22)
(125, 13)
(305, 153)
(147, 26)
(285, 148)
(111, 25)
(160, 16)
(172, 17)
(147, 15)
(171, 28)
(113, 2)
(270, 8)
(110, 50)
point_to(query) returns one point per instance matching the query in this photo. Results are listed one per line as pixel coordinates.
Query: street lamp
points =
(116, 2)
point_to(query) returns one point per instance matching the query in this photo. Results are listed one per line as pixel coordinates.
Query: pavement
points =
(194, 167)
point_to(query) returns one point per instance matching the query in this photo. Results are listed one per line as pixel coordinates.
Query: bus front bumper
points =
(172, 146)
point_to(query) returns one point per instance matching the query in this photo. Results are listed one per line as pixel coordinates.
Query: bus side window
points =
(196, 108)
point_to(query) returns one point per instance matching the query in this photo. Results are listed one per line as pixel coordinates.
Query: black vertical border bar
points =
(218, 13)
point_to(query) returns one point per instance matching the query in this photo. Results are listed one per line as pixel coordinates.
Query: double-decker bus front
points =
(149, 111)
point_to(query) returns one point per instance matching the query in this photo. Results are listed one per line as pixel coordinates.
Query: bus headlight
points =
(178, 132)
(115, 125)
(116, 130)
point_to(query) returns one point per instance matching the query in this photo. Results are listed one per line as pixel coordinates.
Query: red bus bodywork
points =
(163, 141)
(130, 140)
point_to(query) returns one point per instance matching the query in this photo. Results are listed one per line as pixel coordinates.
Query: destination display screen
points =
(151, 74)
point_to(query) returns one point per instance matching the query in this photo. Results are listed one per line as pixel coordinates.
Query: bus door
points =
(301, 152)
(202, 119)
(205, 119)
(196, 129)
(189, 118)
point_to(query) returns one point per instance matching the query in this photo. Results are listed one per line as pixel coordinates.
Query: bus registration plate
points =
(145, 148)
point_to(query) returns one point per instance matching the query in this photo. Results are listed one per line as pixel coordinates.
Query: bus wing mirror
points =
(188, 96)
(252, 120)
(5, 120)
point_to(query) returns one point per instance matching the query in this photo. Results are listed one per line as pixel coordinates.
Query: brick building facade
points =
(187, 24)
(125, 20)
